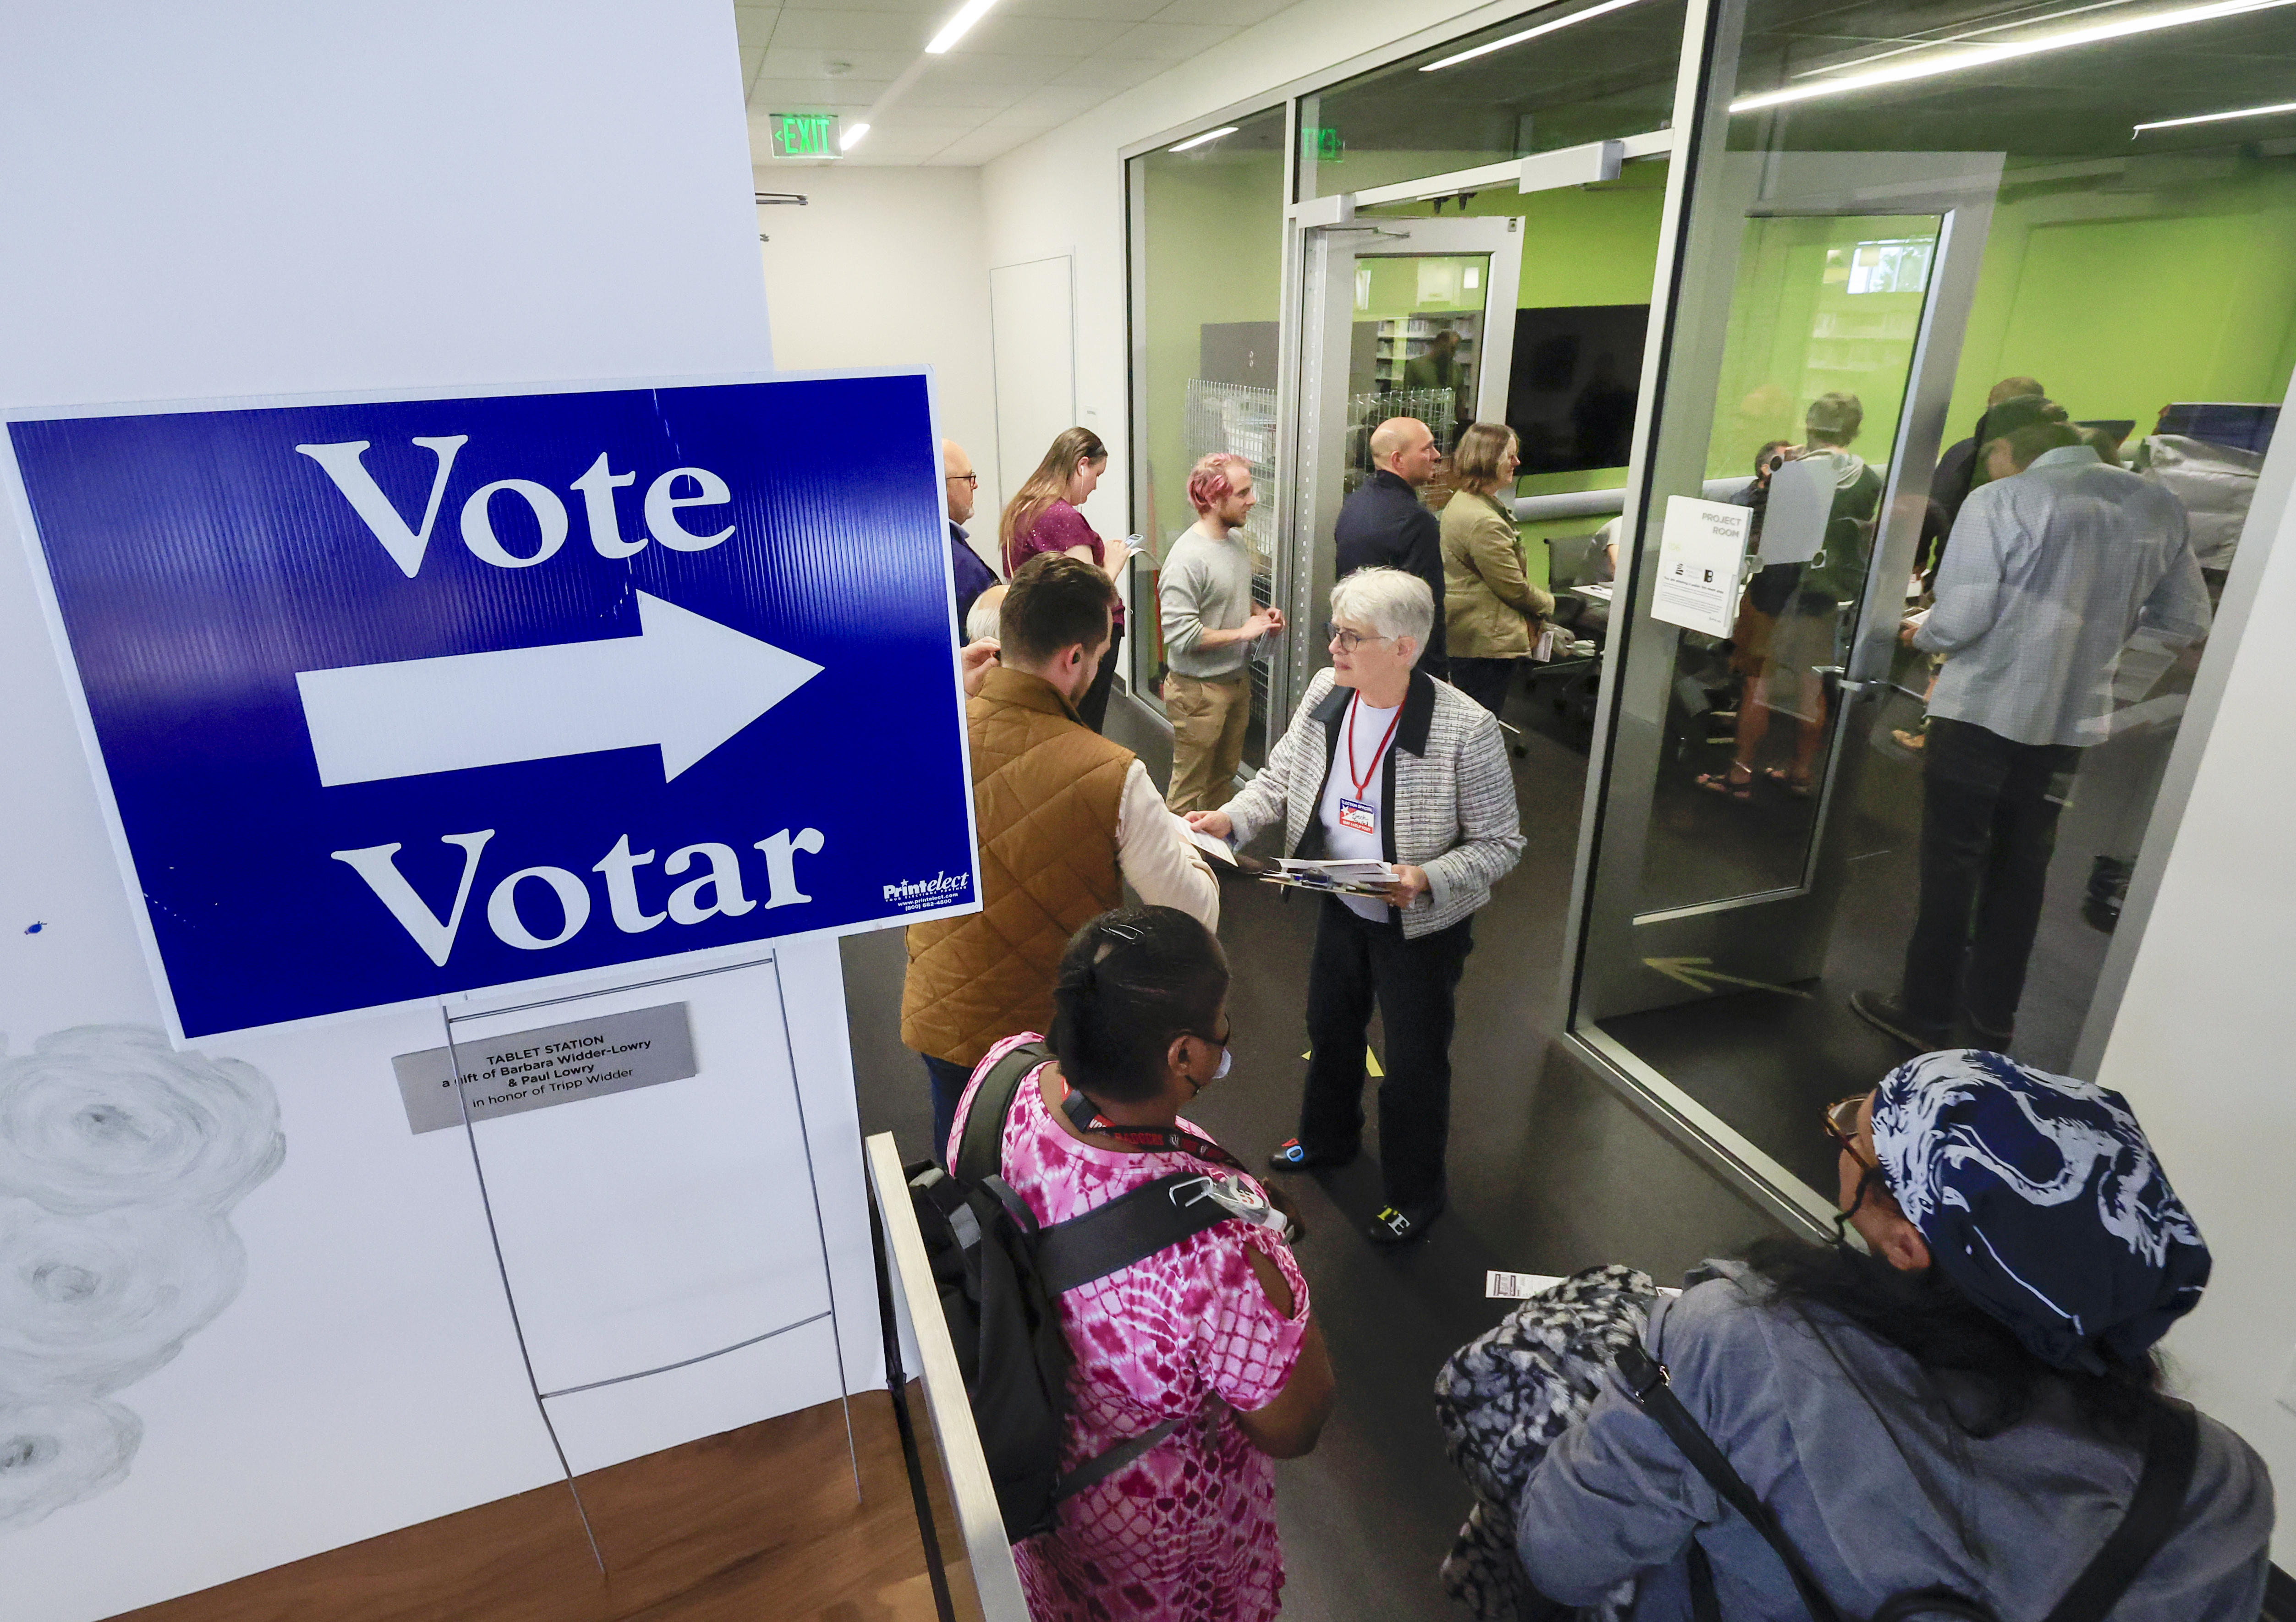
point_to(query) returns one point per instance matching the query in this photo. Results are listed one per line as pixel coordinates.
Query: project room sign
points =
(395, 699)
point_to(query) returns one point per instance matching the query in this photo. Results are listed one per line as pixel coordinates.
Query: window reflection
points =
(1207, 234)
(1573, 73)
(2106, 405)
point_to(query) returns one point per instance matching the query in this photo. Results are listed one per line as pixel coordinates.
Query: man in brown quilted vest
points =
(1065, 818)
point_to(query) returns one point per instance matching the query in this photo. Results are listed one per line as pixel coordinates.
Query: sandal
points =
(1799, 787)
(1729, 783)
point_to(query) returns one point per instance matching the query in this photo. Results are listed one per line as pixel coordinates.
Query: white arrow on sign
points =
(684, 682)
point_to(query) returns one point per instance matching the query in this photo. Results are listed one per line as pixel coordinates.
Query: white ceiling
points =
(1026, 67)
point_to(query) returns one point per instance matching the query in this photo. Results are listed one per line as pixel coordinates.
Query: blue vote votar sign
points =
(400, 698)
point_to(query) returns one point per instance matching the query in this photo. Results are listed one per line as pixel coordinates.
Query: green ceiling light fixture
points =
(2214, 118)
(805, 134)
(1981, 56)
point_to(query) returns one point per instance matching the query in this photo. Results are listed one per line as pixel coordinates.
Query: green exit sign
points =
(1322, 145)
(805, 134)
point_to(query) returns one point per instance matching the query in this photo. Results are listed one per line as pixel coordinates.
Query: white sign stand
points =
(358, 1370)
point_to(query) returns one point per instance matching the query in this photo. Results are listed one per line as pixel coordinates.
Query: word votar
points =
(717, 891)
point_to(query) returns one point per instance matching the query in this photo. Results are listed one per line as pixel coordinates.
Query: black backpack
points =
(998, 1275)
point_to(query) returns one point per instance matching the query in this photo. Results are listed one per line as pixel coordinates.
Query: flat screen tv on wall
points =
(1570, 392)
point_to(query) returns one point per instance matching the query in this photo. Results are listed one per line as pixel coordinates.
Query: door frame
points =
(1321, 230)
(1316, 424)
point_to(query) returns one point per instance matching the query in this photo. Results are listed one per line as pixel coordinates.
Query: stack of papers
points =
(1340, 877)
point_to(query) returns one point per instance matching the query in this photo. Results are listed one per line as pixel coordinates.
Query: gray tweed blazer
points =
(1450, 795)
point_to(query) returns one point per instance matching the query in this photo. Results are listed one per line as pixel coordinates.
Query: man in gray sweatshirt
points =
(1210, 623)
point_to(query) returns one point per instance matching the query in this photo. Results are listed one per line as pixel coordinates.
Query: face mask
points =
(1227, 1057)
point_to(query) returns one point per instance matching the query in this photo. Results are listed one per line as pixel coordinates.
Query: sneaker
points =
(1888, 1015)
(1390, 1226)
(1292, 1155)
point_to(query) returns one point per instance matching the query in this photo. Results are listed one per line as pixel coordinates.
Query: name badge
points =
(1357, 816)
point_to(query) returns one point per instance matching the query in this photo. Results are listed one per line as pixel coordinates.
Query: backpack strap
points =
(2172, 1447)
(1127, 1228)
(2171, 1452)
(981, 1151)
(1647, 1384)
(1092, 1472)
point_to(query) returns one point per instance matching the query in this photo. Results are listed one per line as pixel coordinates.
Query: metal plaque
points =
(557, 1064)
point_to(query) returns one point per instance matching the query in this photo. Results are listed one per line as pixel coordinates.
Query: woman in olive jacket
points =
(1491, 611)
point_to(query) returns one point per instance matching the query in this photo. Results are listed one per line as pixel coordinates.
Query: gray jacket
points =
(1849, 1441)
(1446, 781)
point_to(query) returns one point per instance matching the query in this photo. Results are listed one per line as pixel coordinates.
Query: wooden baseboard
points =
(759, 1522)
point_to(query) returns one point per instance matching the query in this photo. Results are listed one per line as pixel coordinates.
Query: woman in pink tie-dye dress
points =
(1186, 1533)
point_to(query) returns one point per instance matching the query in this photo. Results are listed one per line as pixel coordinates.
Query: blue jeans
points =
(949, 1084)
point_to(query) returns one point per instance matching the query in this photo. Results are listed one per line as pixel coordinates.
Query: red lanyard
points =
(1086, 1117)
(1364, 781)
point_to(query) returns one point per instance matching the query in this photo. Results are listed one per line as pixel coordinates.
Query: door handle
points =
(1846, 682)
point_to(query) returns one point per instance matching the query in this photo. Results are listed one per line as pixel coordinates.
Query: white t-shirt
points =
(1366, 728)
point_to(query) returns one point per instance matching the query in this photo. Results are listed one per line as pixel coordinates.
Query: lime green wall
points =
(1797, 332)
(1214, 247)
(1394, 286)
(2122, 300)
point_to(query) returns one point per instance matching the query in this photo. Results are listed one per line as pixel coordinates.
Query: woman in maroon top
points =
(1043, 517)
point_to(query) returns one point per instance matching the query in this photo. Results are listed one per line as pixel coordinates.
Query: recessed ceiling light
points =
(2212, 118)
(1980, 56)
(954, 29)
(1516, 39)
(1210, 134)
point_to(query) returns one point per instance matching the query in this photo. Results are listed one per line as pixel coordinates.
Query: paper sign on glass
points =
(1700, 553)
(1794, 517)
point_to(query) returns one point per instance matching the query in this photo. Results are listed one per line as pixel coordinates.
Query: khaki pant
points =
(1207, 723)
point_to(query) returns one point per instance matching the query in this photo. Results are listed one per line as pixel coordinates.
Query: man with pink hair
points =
(1210, 623)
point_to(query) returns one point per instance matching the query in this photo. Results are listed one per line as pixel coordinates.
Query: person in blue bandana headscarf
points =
(1964, 1402)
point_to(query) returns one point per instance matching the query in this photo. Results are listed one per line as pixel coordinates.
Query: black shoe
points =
(1392, 1227)
(1992, 1039)
(1888, 1015)
(1292, 1155)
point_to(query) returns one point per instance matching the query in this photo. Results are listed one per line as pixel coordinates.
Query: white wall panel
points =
(259, 197)
(1033, 312)
(888, 268)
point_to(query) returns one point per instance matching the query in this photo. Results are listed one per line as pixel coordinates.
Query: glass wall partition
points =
(1207, 247)
(1557, 77)
(1928, 250)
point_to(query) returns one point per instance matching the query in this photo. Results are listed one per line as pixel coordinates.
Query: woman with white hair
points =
(1383, 762)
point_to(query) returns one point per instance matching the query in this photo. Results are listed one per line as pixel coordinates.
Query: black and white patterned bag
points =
(1504, 1398)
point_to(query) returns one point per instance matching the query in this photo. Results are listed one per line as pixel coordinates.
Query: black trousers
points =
(1989, 811)
(1092, 710)
(1415, 983)
(1486, 680)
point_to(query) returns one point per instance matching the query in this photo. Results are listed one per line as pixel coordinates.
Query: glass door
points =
(1814, 357)
(1400, 318)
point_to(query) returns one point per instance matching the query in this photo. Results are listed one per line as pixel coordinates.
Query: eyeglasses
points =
(1220, 1042)
(971, 479)
(1841, 1127)
(1347, 641)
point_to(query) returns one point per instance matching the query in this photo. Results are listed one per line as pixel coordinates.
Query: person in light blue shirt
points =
(2048, 574)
